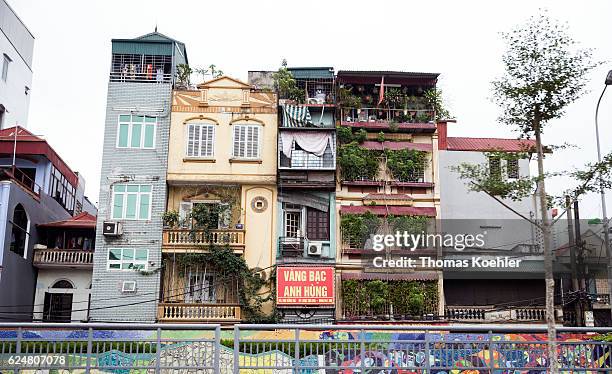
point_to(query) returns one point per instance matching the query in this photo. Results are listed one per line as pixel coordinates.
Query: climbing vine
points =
(357, 228)
(357, 163)
(383, 299)
(406, 164)
(230, 267)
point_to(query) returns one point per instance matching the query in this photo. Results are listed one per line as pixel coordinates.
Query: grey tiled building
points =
(125, 284)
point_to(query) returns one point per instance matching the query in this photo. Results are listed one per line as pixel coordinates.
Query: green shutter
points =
(130, 211)
(123, 135)
(149, 135)
(136, 135)
(145, 202)
(118, 205)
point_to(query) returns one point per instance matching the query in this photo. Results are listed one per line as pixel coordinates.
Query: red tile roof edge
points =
(489, 144)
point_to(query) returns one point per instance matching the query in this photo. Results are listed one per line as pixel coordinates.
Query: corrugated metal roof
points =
(416, 275)
(312, 72)
(408, 74)
(153, 43)
(490, 144)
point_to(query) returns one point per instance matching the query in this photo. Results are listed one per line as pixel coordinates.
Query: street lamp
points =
(608, 82)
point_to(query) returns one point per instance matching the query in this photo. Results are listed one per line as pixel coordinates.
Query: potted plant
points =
(171, 219)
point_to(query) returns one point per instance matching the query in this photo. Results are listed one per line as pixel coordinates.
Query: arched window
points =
(20, 231)
(62, 284)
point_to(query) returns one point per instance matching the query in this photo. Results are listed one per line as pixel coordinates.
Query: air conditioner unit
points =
(112, 229)
(315, 249)
(128, 286)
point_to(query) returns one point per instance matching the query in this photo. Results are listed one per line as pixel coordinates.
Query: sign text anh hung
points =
(300, 285)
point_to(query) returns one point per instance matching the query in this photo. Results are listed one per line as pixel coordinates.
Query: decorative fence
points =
(75, 257)
(308, 349)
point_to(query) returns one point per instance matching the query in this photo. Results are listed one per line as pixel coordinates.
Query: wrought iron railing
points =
(397, 115)
(17, 175)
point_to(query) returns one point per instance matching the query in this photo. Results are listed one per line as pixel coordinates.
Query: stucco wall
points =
(81, 281)
(12, 92)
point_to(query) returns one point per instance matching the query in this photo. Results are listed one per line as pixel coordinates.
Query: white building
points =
(16, 50)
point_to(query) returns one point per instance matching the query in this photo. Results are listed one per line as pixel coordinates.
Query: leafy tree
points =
(544, 73)
(286, 86)
(436, 102)
(183, 73)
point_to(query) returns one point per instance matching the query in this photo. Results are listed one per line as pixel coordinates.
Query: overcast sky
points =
(459, 39)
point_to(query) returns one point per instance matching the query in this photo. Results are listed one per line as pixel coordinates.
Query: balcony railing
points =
(600, 298)
(387, 114)
(122, 76)
(63, 257)
(17, 175)
(291, 247)
(185, 312)
(493, 314)
(183, 239)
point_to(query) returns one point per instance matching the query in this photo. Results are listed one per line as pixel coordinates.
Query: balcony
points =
(291, 247)
(15, 174)
(188, 312)
(52, 258)
(492, 314)
(186, 240)
(379, 118)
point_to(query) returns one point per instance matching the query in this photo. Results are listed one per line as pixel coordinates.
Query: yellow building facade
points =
(221, 165)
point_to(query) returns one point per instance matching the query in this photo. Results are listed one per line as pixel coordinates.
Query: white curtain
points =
(314, 142)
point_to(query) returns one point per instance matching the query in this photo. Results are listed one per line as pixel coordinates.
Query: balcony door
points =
(200, 288)
(223, 217)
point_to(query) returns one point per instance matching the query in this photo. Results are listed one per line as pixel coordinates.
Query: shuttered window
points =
(317, 224)
(200, 140)
(246, 141)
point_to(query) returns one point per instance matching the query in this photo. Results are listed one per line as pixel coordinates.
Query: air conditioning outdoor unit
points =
(128, 286)
(315, 249)
(112, 229)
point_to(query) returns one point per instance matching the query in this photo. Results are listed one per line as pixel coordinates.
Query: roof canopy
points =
(81, 221)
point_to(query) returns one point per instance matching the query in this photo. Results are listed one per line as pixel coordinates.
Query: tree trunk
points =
(548, 259)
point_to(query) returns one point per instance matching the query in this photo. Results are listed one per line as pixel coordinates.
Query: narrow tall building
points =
(132, 198)
(16, 51)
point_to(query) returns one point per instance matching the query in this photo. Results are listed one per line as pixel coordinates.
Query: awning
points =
(389, 210)
(416, 275)
(296, 116)
(305, 199)
(396, 146)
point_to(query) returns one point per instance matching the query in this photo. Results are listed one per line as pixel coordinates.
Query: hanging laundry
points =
(313, 142)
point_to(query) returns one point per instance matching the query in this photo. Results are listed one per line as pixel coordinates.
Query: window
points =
(246, 141)
(127, 259)
(20, 231)
(317, 224)
(200, 288)
(61, 190)
(136, 131)
(513, 168)
(200, 140)
(131, 201)
(5, 66)
(293, 221)
(495, 167)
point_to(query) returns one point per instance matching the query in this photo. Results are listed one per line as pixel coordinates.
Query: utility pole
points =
(572, 248)
(580, 246)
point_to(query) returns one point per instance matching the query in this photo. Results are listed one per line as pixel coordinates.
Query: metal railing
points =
(121, 76)
(191, 312)
(291, 247)
(201, 348)
(178, 239)
(398, 115)
(71, 257)
(17, 175)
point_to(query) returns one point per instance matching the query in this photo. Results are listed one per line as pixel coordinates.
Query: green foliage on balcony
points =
(357, 163)
(406, 164)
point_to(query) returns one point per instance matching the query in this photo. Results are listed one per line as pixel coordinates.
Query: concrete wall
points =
(475, 212)
(17, 275)
(147, 166)
(81, 281)
(18, 44)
